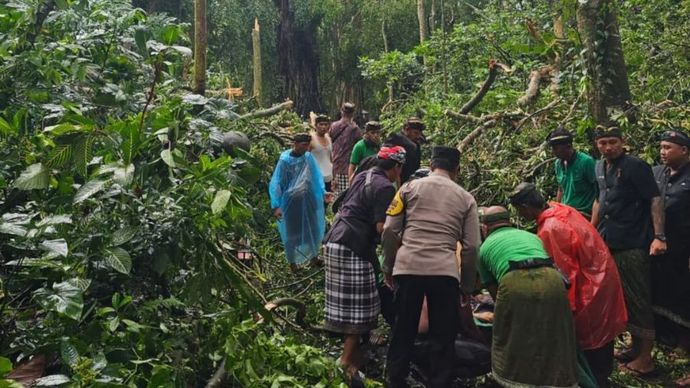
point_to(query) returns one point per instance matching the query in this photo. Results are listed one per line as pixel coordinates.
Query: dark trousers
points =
(442, 294)
(600, 361)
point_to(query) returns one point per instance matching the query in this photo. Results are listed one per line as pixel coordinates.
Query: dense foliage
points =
(121, 218)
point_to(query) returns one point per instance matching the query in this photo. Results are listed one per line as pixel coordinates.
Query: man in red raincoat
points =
(595, 293)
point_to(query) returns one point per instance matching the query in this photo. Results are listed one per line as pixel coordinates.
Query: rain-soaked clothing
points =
(596, 296)
(297, 188)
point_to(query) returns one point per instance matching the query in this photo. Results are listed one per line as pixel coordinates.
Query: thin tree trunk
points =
(256, 46)
(391, 96)
(609, 87)
(421, 16)
(199, 46)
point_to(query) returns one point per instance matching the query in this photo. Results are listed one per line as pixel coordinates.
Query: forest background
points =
(124, 226)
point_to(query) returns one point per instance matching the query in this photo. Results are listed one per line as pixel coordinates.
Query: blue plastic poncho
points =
(297, 188)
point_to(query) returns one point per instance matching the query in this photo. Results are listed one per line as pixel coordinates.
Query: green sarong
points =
(533, 335)
(635, 272)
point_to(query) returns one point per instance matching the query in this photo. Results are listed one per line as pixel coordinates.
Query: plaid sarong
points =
(342, 183)
(352, 300)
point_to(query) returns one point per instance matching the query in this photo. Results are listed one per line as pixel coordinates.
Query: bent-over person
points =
(533, 340)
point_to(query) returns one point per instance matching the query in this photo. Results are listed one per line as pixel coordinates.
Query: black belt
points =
(537, 263)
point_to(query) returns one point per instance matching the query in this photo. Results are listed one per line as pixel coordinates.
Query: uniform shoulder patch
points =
(397, 206)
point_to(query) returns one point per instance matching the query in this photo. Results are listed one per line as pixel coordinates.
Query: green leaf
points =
(124, 176)
(56, 247)
(131, 139)
(59, 156)
(170, 34)
(140, 35)
(7, 128)
(83, 153)
(167, 157)
(88, 189)
(52, 380)
(5, 366)
(68, 352)
(56, 220)
(65, 298)
(185, 51)
(14, 229)
(118, 259)
(220, 201)
(35, 176)
(122, 236)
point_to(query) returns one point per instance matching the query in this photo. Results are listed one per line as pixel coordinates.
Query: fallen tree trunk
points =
(287, 105)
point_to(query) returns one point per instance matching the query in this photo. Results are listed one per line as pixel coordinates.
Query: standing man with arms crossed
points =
(629, 215)
(322, 149)
(425, 221)
(344, 134)
(671, 271)
(410, 138)
(577, 182)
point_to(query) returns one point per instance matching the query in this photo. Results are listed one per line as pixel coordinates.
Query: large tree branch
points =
(287, 105)
(535, 79)
(472, 136)
(494, 66)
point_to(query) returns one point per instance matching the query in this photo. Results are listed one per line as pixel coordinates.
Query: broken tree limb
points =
(472, 136)
(287, 105)
(548, 107)
(535, 79)
(494, 65)
(459, 116)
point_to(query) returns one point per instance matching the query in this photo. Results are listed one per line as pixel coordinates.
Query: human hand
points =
(658, 247)
(388, 280)
(277, 213)
(328, 197)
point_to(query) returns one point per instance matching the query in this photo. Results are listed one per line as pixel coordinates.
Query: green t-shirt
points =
(361, 151)
(578, 181)
(504, 245)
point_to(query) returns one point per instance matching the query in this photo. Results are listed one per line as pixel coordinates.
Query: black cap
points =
(322, 119)
(675, 136)
(522, 192)
(348, 107)
(302, 138)
(372, 126)
(607, 131)
(415, 123)
(559, 136)
(448, 154)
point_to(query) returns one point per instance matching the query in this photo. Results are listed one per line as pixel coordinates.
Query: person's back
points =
(595, 295)
(436, 213)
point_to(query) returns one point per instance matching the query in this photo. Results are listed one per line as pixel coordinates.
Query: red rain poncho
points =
(596, 296)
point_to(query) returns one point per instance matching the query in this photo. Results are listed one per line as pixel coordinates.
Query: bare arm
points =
(658, 246)
(559, 195)
(470, 241)
(595, 213)
(351, 172)
(391, 241)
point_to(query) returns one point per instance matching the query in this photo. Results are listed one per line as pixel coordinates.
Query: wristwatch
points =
(660, 237)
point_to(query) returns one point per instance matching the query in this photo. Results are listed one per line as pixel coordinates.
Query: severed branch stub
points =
(494, 66)
(287, 105)
(535, 79)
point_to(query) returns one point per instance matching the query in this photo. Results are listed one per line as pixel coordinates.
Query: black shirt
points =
(355, 225)
(413, 155)
(626, 188)
(675, 192)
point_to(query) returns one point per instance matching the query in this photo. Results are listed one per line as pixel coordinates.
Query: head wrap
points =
(302, 138)
(395, 153)
(322, 119)
(522, 192)
(607, 131)
(559, 136)
(415, 123)
(676, 136)
(348, 107)
(372, 126)
(448, 154)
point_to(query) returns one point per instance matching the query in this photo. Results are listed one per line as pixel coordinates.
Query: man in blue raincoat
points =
(297, 199)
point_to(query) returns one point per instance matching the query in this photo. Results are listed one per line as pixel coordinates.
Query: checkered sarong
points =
(342, 183)
(352, 300)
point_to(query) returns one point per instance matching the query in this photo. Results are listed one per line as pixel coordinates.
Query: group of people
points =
(612, 253)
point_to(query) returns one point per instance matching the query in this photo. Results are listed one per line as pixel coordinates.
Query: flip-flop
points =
(638, 373)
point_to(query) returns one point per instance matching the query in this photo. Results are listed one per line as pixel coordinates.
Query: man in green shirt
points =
(577, 182)
(367, 146)
(533, 332)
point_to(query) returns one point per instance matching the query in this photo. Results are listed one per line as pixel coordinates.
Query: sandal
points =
(651, 374)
